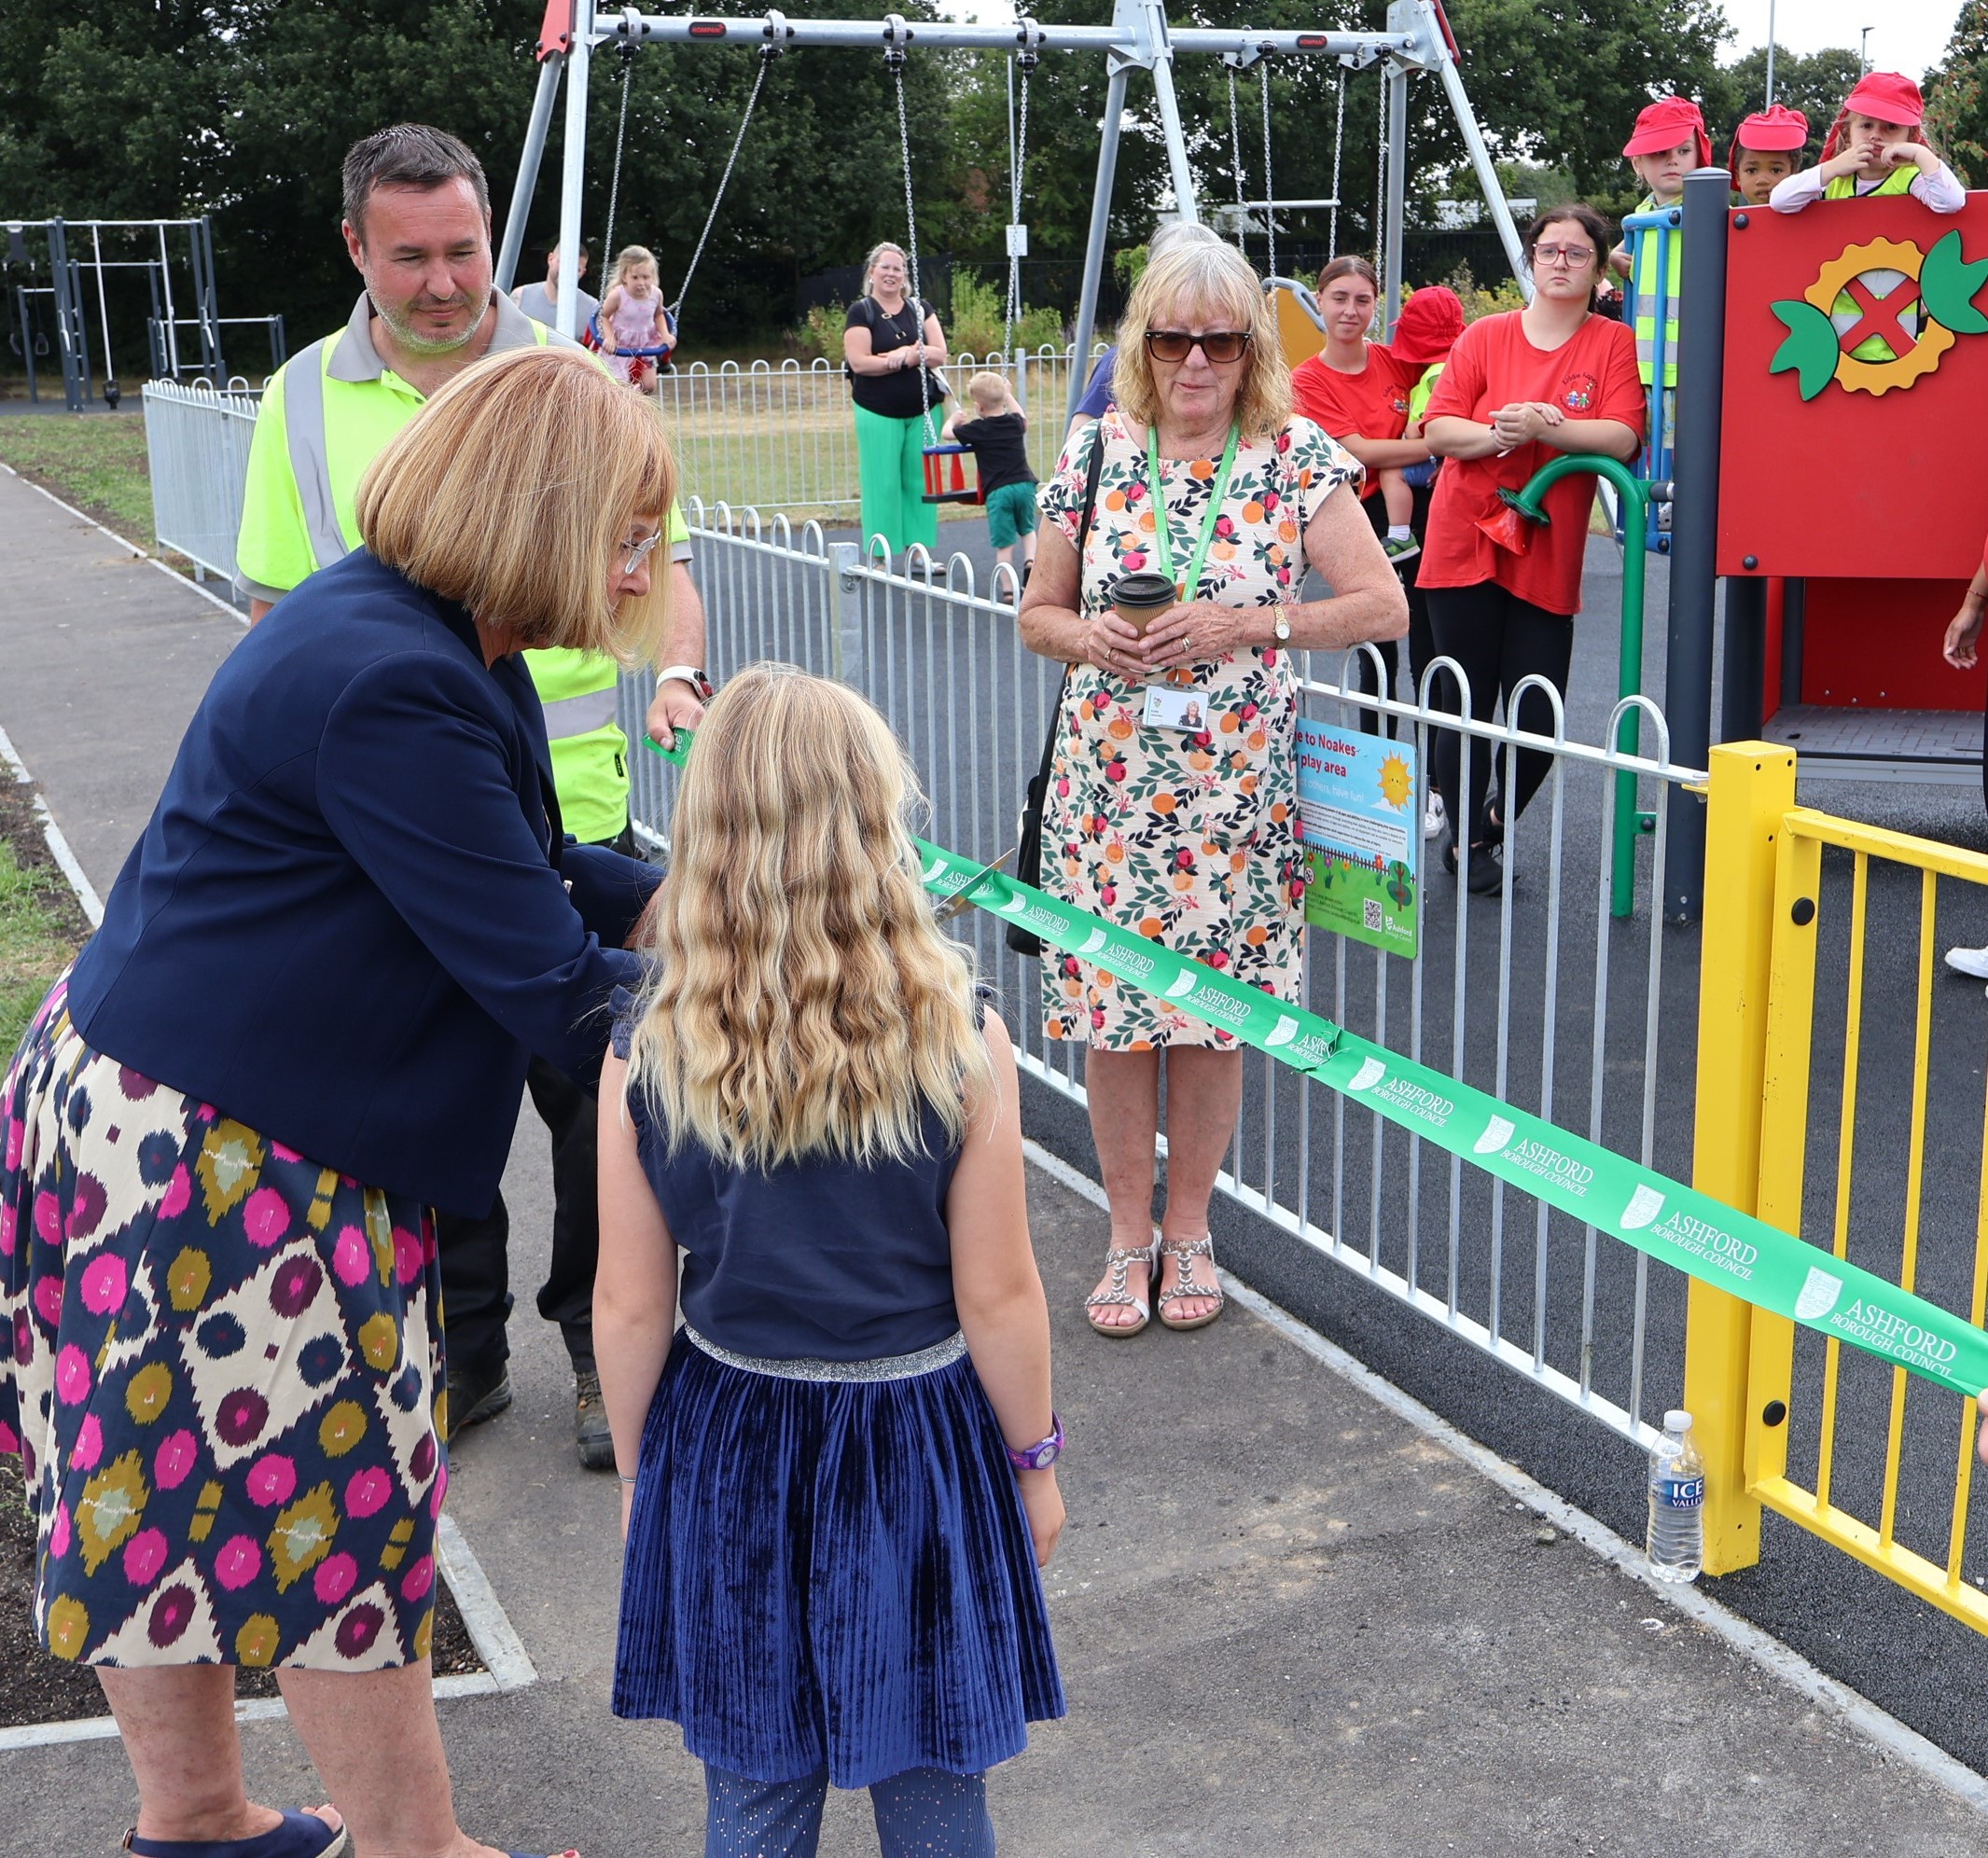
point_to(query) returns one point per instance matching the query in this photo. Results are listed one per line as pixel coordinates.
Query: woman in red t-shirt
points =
(1551, 378)
(1358, 394)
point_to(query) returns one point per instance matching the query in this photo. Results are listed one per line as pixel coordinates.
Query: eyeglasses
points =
(638, 552)
(1218, 345)
(1563, 254)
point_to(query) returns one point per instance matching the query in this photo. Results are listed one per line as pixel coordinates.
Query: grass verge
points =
(96, 461)
(41, 924)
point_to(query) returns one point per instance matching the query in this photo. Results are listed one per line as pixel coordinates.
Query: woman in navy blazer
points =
(304, 1023)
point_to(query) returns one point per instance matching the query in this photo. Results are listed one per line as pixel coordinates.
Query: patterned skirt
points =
(831, 1572)
(224, 1381)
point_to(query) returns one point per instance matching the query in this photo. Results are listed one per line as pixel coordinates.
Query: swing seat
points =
(946, 476)
(594, 337)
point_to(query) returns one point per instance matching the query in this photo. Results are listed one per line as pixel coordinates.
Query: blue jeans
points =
(922, 1813)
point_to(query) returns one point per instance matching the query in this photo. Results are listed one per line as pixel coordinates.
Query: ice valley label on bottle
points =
(1679, 1493)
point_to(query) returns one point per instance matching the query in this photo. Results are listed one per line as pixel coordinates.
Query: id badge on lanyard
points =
(1171, 706)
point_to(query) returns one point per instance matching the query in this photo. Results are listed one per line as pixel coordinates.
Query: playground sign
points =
(1362, 831)
(1856, 367)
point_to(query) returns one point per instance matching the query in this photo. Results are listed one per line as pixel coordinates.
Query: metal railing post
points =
(1752, 788)
(845, 562)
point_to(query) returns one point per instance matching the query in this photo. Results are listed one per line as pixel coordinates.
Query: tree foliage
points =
(1957, 99)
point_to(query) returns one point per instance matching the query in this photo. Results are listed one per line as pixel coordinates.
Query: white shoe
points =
(1968, 960)
(1432, 821)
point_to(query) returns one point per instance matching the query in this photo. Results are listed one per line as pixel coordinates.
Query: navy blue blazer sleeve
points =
(413, 776)
(611, 892)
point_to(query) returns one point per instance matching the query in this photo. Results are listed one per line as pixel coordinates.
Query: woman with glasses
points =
(1189, 833)
(1520, 389)
(304, 1022)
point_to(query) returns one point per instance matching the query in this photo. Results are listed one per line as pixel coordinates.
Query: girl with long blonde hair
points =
(831, 1575)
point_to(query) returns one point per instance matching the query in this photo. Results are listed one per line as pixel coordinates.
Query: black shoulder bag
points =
(1028, 831)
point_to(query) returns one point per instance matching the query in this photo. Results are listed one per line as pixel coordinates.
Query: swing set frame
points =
(1139, 38)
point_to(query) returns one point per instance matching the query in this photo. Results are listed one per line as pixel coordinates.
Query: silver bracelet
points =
(624, 1477)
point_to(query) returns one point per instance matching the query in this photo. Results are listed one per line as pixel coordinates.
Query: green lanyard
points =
(1163, 540)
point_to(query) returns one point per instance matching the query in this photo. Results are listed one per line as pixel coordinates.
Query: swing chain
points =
(627, 50)
(767, 55)
(1026, 60)
(1235, 146)
(1339, 144)
(1270, 192)
(894, 58)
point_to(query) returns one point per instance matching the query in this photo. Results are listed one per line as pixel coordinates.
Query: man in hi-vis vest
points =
(417, 225)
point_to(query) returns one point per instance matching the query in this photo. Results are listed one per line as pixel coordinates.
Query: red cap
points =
(1664, 124)
(1890, 96)
(1775, 131)
(1427, 328)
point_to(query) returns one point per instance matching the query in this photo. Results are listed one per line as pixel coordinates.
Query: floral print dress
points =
(1192, 838)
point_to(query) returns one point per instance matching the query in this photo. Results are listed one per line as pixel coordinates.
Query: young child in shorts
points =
(1876, 146)
(1766, 149)
(997, 436)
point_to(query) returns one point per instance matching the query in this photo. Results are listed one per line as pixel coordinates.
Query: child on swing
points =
(838, 1476)
(997, 436)
(1876, 147)
(634, 316)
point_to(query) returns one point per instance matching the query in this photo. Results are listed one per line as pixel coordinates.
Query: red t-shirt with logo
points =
(1592, 376)
(1371, 404)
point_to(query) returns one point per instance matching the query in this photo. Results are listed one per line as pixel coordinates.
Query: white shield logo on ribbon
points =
(1183, 986)
(1498, 1132)
(1094, 942)
(1644, 1205)
(1819, 1295)
(1371, 1072)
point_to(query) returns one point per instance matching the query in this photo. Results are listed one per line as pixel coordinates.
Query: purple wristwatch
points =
(1043, 1453)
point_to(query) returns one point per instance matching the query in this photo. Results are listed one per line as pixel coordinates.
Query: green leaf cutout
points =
(1811, 349)
(1948, 284)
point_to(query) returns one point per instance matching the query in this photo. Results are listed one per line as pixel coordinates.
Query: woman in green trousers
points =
(892, 347)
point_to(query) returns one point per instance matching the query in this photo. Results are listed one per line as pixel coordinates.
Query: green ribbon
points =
(1700, 1236)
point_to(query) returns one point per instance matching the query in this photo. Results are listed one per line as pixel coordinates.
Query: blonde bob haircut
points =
(1214, 286)
(804, 999)
(513, 492)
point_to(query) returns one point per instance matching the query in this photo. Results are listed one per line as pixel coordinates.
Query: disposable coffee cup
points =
(1140, 599)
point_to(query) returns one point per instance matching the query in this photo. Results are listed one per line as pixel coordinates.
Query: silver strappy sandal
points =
(1188, 1286)
(1118, 1295)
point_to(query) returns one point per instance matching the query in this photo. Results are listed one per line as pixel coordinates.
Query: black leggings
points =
(1499, 640)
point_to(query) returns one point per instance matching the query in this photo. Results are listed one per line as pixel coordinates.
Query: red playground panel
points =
(1856, 386)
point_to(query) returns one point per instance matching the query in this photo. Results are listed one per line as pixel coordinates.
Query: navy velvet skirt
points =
(832, 1573)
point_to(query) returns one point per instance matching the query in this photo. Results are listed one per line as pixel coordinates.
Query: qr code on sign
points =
(1371, 912)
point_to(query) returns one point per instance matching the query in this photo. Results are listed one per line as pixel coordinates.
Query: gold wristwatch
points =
(1280, 625)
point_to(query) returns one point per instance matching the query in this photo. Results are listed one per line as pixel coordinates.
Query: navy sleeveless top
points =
(822, 1259)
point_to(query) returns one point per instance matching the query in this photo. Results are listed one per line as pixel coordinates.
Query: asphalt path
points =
(1909, 1656)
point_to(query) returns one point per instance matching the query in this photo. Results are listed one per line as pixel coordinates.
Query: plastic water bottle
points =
(1675, 1543)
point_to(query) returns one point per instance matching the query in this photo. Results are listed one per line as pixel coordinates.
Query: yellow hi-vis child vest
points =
(1644, 275)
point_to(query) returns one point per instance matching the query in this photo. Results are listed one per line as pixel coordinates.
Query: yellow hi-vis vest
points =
(325, 415)
(1645, 277)
(1900, 180)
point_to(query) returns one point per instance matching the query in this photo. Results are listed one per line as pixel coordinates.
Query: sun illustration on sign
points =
(1397, 783)
(1880, 317)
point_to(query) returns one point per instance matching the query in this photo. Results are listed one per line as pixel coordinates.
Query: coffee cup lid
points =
(1144, 589)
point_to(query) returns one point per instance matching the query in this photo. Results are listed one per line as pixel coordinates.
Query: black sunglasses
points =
(1218, 345)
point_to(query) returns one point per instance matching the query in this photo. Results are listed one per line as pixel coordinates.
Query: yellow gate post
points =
(1752, 789)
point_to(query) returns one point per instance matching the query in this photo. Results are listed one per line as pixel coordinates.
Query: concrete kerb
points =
(1761, 1648)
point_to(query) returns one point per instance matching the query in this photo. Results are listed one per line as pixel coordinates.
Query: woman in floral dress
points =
(1189, 833)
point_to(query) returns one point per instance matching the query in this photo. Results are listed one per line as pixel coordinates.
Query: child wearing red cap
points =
(1876, 146)
(1424, 333)
(1765, 151)
(1667, 143)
